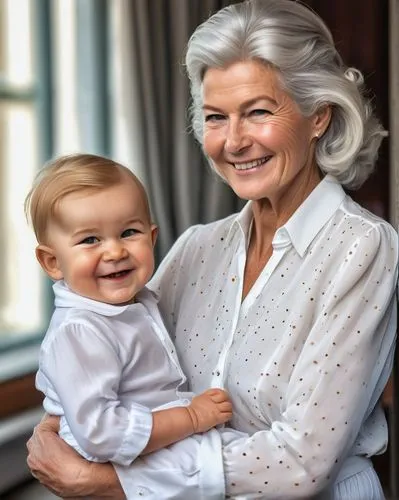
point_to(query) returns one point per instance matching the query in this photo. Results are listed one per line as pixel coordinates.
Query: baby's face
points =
(103, 243)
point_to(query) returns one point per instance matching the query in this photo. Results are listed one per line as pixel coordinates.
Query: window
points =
(66, 81)
(22, 130)
(45, 109)
(49, 109)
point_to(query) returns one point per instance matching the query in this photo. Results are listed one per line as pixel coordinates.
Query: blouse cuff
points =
(137, 435)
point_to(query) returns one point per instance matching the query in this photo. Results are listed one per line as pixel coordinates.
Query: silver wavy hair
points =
(292, 38)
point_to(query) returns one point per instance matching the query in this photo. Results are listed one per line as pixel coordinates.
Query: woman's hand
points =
(65, 473)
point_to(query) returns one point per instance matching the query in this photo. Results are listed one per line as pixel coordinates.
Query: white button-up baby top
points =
(308, 352)
(103, 368)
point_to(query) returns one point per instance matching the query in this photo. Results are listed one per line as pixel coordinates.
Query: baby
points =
(107, 366)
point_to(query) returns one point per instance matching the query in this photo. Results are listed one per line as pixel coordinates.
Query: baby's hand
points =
(210, 408)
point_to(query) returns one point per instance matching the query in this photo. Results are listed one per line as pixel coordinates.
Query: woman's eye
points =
(259, 112)
(214, 118)
(90, 240)
(129, 232)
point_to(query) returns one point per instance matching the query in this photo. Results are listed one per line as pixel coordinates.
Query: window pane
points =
(66, 129)
(22, 293)
(21, 306)
(16, 56)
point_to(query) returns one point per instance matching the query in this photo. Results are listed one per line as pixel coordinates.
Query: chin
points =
(250, 191)
(249, 195)
(122, 301)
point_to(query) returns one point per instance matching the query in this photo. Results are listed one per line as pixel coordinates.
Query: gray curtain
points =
(183, 190)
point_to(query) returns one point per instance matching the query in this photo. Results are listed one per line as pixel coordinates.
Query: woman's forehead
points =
(243, 81)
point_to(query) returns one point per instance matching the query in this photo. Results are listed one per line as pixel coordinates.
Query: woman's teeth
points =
(251, 164)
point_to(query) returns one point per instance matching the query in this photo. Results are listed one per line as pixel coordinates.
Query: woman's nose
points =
(115, 250)
(237, 138)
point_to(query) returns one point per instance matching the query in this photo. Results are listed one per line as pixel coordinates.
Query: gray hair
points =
(293, 39)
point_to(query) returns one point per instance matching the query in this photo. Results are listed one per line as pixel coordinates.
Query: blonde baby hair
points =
(71, 174)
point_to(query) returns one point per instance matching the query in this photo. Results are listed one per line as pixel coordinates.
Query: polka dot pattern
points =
(307, 353)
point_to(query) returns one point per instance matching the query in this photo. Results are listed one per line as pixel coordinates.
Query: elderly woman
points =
(289, 305)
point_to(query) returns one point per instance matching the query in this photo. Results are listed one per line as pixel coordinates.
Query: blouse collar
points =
(305, 223)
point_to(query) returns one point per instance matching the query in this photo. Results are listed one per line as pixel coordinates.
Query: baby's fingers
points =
(225, 407)
(224, 417)
(218, 395)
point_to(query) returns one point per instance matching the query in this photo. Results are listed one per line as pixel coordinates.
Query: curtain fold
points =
(182, 189)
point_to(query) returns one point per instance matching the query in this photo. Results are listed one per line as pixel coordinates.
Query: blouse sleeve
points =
(336, 382)
(85, 370)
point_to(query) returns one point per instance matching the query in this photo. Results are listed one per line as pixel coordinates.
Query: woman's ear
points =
(321, 119)
(48, 260)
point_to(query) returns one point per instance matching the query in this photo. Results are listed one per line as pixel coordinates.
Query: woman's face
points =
(254, 133)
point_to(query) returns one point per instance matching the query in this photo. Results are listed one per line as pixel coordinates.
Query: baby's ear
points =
(48, 260)
(154, 234)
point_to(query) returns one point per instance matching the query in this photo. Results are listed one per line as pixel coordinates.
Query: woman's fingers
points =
(50, 422)
(51, 461)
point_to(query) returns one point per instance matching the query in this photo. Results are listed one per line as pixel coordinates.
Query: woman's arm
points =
(63, 471)
(67, 474)
(60, 469)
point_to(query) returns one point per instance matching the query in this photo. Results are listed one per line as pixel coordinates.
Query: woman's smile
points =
(251, 165)
(255, 135)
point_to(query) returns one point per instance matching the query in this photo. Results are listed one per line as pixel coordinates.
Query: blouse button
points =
(218, 373)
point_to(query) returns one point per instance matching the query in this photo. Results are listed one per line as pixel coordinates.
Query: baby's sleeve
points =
(84, 370)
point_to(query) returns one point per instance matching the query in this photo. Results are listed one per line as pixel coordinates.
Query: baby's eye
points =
(129, 232)
(90, 240)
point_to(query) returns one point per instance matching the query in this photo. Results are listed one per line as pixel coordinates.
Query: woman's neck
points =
(269, 214)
